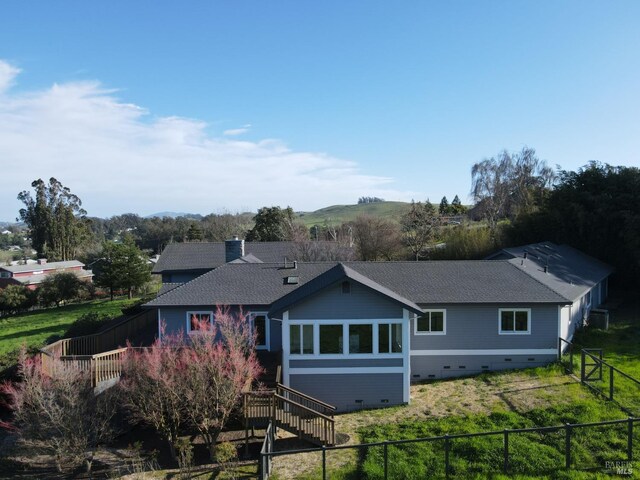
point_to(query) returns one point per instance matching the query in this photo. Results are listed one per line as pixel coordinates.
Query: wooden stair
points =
(292, 411)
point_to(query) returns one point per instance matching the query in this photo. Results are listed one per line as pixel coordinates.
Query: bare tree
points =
(57, 412)
(376, 238)
(510, 184)
(420, 226)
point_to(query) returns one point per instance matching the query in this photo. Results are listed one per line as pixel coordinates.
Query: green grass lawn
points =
(34, 328)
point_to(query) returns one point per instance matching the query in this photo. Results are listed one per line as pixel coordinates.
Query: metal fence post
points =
(571, 357)
(610, 383)
(324, 462)
(386, 461)
(506, 452)
(582, 367)
(630, 439)
(567, 446)
(446, 455)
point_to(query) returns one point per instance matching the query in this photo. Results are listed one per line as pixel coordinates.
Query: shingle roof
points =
(336, 274)
(35, 279)
(442, 282)
(210, 255)
(34, 267)
(570, 272)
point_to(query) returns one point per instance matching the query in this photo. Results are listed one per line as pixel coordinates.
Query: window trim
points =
(514, 331)
(267, 329)
(429, 311)
(197, 312)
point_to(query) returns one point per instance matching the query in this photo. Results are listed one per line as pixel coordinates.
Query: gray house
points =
(356, 334)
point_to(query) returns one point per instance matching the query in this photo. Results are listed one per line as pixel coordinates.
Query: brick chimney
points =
(233, 249)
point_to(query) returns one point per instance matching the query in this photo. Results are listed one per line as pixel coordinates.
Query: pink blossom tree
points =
(194, 381)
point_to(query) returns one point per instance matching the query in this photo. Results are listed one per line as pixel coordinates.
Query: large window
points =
(431, 322)
(331, 339)
(301, 339)
(198, 321)
(515, 321)
(390, 338)
(361, 338)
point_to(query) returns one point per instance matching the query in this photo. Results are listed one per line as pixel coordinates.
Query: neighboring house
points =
(33, 273)
(182, 262)
(355, 334)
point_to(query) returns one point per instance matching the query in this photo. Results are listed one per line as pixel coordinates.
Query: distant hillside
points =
(338, 214)
(174, 215)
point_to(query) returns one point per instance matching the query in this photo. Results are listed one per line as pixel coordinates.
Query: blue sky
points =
(211, 106)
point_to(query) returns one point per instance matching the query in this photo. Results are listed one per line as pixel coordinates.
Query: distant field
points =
(338, 214)
(34, 328)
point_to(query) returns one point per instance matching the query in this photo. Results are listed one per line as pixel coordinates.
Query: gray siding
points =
(275, 335)
(331, 303)
(343, 390)
(346, 363)
(476, 327)
(446, 366)
(175, 319)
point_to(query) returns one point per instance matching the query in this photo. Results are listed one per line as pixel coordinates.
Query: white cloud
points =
(237, 131)
(119, 158)
(8, 73)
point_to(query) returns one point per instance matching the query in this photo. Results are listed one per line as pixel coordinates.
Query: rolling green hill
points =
(338, 214)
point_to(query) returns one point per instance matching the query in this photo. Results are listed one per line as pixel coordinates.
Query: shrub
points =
(87, 324)
(58, 414)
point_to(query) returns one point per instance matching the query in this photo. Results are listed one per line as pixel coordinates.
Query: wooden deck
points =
(100, 353)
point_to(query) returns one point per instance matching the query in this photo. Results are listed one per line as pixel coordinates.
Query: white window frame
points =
(514, 332)
(267, 328)
(345, 336)
(301, 325)
(5, 274)
(429, 311)
(197, 312)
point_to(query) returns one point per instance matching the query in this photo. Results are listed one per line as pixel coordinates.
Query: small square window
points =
(199, 321)
(346, 287)
(514, 321)
(431, 322)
